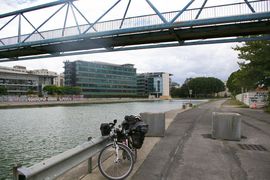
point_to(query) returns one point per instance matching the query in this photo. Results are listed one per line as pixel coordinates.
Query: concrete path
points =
(187, 151)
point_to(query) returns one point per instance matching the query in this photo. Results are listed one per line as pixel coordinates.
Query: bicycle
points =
(116, 160)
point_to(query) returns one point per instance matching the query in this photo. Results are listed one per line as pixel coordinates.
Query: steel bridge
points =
(235, 22)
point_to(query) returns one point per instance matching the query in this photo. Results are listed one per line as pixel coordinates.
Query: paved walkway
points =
(188, 153)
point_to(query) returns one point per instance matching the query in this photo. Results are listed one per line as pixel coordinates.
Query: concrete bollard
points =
(226, 126)
(156, 123)
(183, 106)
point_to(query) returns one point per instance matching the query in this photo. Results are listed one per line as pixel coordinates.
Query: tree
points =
(71, 90)
(200, 86)
(234, 83)
(268, 101)
(66, 90)
(205, 86)
(255, 65)
(3, 90)
(51, 89)
(175, 92)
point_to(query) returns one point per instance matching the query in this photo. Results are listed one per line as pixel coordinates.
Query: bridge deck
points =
(215, 22)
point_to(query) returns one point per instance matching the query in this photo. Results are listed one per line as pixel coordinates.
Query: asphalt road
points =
(187, 152)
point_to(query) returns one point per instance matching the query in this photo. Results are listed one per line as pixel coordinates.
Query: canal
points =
(29, 135)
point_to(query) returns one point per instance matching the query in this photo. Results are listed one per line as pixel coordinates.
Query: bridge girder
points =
(130, 38)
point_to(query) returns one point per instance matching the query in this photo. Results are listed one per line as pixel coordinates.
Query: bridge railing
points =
(147, 20)
(56, 166)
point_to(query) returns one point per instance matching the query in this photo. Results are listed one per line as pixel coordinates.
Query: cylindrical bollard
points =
(183, 106)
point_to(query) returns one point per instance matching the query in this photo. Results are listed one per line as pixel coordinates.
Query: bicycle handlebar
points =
(113, 124)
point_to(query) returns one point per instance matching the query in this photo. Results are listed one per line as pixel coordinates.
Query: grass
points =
(234, 102)
(267, 109)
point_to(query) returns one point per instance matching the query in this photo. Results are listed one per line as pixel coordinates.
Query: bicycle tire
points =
(134, 153)
(112, 169)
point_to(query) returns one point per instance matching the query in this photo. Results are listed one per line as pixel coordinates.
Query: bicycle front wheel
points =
(115, 164)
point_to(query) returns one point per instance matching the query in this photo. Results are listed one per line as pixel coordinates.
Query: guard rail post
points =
(90, 165)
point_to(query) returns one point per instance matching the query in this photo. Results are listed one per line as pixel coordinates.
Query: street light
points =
(190, 93)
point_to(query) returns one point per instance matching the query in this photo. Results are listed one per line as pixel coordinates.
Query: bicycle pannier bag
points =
(130, 121)
(105, 129)
(138, 132)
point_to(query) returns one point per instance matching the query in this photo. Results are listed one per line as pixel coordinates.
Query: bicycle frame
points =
(117, 152)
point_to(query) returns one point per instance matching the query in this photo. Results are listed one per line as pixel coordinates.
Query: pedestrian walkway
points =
(188, 152)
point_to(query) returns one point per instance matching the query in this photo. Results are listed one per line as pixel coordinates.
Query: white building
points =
(59, 80)
(154, 84)
(20, 81)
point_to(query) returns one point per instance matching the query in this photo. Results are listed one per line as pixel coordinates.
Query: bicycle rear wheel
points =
(112, 167)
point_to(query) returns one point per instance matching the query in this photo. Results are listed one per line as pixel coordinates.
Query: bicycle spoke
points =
(113, 169)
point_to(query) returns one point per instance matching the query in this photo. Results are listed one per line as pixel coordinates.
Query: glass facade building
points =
(156, 84)
(98, 79)
(145, 85)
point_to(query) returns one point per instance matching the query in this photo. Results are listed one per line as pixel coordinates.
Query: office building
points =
(154, 84)
(99, 79)
(19, 81)
(45, 77)
(59, 80)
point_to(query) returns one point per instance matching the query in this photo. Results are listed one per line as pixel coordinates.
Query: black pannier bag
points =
(137, 132)
(105, 129)
(130, 121)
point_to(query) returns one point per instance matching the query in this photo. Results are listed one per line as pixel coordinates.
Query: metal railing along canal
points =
(56, 166)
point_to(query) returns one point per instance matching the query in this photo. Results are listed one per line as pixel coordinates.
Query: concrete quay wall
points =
(71, 102)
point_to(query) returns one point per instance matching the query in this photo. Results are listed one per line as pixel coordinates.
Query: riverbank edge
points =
(11, 105)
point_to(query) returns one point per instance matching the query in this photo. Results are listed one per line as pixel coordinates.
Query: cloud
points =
(15, 4)
(217, 60)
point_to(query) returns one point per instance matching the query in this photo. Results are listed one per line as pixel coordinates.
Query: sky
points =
(217, 60)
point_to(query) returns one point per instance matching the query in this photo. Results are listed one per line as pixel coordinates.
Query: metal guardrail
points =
(148, 20)
(56, 166)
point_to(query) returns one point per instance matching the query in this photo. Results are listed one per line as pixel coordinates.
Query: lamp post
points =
(190, 93)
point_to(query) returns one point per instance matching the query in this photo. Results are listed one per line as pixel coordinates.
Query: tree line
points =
(254, 67)
(51, 90)
(63, 90)
(3, 90)
(200, 87)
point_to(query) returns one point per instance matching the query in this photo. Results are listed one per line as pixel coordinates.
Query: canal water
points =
(30, 135)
